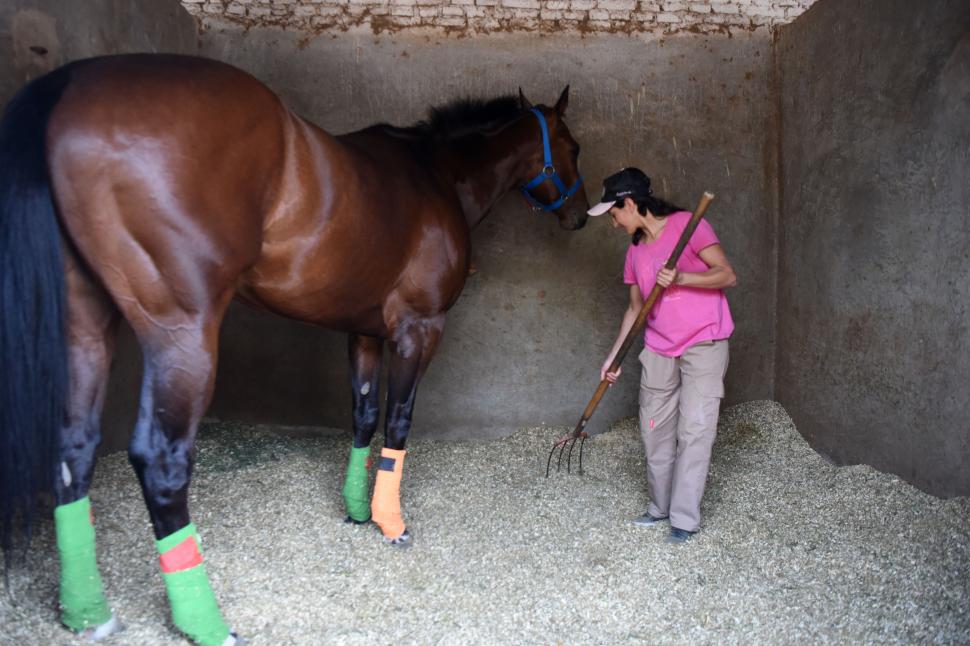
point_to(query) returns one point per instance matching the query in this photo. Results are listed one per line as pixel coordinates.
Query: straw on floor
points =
(792, 549)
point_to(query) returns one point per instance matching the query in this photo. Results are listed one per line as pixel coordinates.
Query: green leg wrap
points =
(194, 608)
(355, 486)
(82, 596)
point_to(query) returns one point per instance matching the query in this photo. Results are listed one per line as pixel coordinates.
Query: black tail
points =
(33, 365)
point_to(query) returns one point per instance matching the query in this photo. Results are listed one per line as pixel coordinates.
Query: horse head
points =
(553, 182)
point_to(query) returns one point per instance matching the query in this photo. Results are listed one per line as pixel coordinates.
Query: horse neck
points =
(487, 167)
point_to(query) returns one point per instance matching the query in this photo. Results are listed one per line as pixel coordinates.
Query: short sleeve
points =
(629, 270)
(703, 237)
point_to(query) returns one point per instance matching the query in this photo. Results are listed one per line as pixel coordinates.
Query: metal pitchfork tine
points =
(580, 434)
(561, 444)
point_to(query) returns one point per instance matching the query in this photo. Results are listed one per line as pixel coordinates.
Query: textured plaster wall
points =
(488, 16)
(524, 343)
(874, 274)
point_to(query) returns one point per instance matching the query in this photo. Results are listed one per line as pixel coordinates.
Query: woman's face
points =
(624, 215)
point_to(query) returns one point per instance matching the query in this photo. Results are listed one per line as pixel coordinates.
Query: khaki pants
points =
(679, 403)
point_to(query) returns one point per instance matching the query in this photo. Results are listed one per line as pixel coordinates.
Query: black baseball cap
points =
(627, 182)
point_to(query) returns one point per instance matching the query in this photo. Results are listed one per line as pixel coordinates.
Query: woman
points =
(686, 345)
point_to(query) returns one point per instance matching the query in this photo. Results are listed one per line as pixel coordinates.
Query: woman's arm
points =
(629, 317)
(719, 275)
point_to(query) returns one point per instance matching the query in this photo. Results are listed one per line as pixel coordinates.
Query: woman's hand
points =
(609, 376)
(667, 277)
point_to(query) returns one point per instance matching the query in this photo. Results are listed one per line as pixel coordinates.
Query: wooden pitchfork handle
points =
(637, 325)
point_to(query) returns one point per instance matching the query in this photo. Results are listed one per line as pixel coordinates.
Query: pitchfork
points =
(580, 434)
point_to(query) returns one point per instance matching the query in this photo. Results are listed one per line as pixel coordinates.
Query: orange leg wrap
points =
(386, 504)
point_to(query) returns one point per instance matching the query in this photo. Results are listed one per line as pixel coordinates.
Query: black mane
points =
(461, 117)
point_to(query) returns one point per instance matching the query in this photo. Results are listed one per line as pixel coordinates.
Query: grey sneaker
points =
(678, 535)
(646, 520)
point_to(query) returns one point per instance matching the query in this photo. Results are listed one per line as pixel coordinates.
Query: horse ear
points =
(562, 102)
(524, 103)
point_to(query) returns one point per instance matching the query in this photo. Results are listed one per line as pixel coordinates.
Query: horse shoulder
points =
(436, 270)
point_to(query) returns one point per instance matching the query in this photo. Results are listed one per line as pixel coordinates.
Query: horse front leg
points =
(412, 345)
(365, 364)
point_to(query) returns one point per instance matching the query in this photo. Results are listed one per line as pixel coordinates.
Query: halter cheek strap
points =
(548, 173)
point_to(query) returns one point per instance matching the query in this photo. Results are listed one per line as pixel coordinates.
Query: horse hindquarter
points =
(162, 169)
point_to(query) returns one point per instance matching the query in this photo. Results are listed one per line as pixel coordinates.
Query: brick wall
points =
(485, 16)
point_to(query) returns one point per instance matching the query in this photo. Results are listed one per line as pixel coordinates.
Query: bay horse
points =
(159, 187)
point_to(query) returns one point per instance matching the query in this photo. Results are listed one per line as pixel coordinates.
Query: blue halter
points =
(548, 173)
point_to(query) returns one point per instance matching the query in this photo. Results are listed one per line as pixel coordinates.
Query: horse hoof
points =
(234, 640)
(350, 521)
(403, 541)
(97, 633)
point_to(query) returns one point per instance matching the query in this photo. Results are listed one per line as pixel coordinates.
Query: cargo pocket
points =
(710, 385)
(659, 373)
(706, 364)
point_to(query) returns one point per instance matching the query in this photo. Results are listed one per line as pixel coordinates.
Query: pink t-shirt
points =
(682, 316)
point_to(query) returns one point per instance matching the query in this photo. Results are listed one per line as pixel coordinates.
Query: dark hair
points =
(659, 207)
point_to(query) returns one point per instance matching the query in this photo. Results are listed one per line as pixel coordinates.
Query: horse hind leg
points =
(91, 326)
(180, 361)
(411, 347)
(365, 363)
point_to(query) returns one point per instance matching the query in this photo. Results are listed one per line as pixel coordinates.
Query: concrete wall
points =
(874, 272)
(855, 133)
(525, 341)
(38, 35)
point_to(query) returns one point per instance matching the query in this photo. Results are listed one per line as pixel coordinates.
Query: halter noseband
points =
(548, 173)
